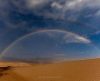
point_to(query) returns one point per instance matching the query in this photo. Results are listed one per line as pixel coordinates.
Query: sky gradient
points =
(56, 19)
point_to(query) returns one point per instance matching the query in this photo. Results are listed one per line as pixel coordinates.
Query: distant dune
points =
(84, 70)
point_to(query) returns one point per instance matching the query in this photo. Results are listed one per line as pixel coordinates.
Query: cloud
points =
(56, 5)
(74, 38)
(61, 7)
(54, 9)
(36, 3)
(97, 13)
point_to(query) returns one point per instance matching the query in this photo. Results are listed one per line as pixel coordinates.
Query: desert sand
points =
(83, 70)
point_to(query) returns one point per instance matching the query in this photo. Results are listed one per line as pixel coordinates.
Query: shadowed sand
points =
(84, 70)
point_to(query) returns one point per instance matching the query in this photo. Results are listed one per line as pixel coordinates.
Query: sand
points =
(84, 70)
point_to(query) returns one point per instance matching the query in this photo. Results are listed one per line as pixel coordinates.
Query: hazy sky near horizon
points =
(76, 19)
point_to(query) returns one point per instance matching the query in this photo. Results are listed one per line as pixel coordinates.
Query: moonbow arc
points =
(49, 45)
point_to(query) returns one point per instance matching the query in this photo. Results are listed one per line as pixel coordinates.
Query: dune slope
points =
(86, 70)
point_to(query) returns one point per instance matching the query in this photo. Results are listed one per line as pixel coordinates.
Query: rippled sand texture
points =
(86, 70)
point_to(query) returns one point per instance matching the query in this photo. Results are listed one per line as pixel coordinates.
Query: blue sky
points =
(21, 17)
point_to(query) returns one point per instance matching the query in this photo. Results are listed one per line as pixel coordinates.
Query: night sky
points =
(49, 29)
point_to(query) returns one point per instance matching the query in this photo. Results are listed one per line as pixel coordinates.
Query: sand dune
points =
(86, 70)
